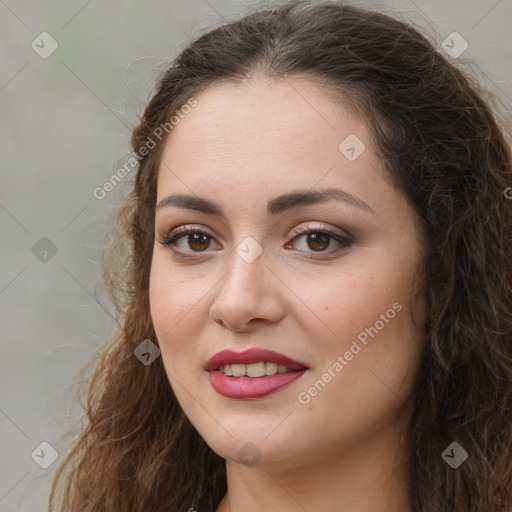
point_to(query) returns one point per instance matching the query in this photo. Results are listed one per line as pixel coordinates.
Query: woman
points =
(312, 279)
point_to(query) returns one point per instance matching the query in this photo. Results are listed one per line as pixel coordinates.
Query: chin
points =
(249, 445)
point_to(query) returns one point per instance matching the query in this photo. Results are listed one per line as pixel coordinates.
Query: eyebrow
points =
(280, 204)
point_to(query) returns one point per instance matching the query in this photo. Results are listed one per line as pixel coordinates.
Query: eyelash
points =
(182, 231)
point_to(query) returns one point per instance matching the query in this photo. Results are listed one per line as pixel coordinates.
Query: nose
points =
(249, 295)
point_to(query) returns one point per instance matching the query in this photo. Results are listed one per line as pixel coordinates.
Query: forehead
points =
(265, 114)
(266, 135)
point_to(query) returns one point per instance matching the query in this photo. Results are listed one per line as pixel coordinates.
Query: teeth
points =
(270, 368)
(253, 370)
(256, 370)
(238, 370)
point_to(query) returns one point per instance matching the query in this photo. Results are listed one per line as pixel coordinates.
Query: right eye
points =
(194, 238)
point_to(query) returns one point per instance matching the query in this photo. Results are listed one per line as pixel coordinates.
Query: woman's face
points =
(245, 169)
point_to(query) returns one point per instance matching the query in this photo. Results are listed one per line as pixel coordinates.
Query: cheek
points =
(370, 325)
(347, 305)
(175, 307)
(367, 388)
(173, 297)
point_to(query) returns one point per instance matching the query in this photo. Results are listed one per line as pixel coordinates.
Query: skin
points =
(242, 146)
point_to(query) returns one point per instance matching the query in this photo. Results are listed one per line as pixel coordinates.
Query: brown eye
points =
(318, 241)
(198, 241)
(188, 241)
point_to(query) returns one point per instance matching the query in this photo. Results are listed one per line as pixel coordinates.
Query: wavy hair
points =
(444, 147)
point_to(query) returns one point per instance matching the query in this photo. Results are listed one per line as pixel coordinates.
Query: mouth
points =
(253, 373)
(259, 369)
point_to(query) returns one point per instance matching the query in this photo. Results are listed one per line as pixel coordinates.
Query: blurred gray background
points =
(66, 117)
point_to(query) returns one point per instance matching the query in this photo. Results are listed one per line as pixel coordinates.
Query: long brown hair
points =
(442, 145)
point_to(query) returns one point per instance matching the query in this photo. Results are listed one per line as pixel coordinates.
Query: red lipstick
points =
(251, 387)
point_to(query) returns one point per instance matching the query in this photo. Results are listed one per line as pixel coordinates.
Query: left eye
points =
(317, 240)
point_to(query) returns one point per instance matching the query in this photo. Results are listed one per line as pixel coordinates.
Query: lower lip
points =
(251, 387)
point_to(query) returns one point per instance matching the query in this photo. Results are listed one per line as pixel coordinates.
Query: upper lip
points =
(252, 355)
